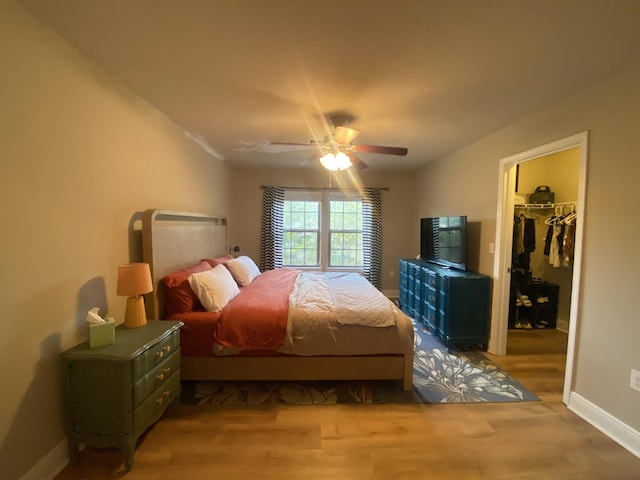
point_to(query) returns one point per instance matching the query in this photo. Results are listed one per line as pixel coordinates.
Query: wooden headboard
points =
(172, 240)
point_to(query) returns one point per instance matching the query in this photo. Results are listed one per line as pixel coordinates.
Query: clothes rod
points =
(325, 188)
(545, 205)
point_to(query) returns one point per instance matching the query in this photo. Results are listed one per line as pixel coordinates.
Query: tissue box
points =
(101, 334)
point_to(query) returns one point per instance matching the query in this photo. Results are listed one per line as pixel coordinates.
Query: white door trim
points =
(504, 239)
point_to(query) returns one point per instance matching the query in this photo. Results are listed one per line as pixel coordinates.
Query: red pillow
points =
(179, 298)
(214, 262)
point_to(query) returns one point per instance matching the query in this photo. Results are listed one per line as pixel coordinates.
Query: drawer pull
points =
(164, 350)
(166, 394)
(167, 370)
(160, 376)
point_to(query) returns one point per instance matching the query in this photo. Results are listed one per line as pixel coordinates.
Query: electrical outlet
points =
(635, 379)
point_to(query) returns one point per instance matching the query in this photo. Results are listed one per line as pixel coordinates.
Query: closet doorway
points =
(521, 172)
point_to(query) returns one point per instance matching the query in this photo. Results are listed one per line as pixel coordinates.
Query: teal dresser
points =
(453, 304)
(112, 394)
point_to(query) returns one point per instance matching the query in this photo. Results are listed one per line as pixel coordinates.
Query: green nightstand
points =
(112, 394)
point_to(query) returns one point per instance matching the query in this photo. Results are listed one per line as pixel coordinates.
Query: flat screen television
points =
(443, 241)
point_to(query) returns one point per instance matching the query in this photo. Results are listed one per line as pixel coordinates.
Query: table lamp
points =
(134, 280)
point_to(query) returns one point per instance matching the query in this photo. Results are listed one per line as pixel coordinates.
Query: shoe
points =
(518, 325)
(526, 326)
(525, 300)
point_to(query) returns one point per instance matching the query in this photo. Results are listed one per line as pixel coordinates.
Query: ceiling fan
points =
(338, 151)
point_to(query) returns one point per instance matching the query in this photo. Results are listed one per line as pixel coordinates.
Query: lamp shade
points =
(134, 279)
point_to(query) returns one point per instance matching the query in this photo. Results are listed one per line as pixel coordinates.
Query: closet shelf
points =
(545, 205)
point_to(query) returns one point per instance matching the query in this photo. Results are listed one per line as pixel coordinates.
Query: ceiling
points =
(429, 75)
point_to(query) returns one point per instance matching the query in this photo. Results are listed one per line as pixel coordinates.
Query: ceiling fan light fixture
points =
(339, 161)
(345, 135)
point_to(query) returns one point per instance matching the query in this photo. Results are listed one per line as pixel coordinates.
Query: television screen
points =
(443, 241)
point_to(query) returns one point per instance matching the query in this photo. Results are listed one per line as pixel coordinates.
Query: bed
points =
(337, 345)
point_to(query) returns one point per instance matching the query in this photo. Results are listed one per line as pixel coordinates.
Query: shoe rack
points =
(533, 305)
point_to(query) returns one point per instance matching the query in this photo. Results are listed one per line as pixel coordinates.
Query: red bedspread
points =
(257, 318)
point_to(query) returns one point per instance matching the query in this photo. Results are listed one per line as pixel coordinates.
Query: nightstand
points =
(112, 394)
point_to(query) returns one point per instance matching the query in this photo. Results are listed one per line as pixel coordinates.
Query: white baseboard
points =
(563, 326)
(611, 426)
(50, 465)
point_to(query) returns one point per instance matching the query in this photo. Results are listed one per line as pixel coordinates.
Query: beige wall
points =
(558, 171)
(459, 186)
(79, 155)
(608, 326)
(398, 236)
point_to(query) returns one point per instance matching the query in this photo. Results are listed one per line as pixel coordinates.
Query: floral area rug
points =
(439, 376)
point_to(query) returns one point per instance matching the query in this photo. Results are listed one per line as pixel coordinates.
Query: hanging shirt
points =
(569, 245)
(547, 241)
(554, 250)
(529, 235)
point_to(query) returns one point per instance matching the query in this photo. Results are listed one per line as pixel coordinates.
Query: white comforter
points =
(349, 297)
(333, 314)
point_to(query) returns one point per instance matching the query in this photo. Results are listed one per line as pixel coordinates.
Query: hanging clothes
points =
(518, 233)
(524, 241)
(569, 245)
(529, 235)
(560, 239)
(547, 241)
(554, 249)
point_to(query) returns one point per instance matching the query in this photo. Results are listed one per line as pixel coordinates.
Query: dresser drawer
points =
(430, 296)
(430, 278)
(156, 377)
(154, 406)
(153, 357)
(430, 315)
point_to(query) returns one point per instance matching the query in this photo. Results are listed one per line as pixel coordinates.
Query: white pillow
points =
(215, 288)
(243, 269)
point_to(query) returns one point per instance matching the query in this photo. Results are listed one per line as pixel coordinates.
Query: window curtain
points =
(271, 230)
(372, 235)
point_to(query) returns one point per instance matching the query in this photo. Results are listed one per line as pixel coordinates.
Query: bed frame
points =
(173, 240)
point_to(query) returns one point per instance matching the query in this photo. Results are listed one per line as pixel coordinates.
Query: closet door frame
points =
(504, 241)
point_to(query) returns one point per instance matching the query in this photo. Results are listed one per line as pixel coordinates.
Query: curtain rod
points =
(324, 188)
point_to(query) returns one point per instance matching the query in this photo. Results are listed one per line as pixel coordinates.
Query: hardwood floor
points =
(528, 440)
(537, 359)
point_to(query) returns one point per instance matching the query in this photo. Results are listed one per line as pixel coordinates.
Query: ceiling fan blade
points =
(380, 149)
(345, 135)
(357, 162)
(293, 144)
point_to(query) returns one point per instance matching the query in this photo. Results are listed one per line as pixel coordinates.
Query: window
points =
(322, 230)
(345, 233)
(301, 233)
(272, 229)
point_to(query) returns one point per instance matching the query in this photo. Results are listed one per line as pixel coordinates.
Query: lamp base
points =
(135, 315)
